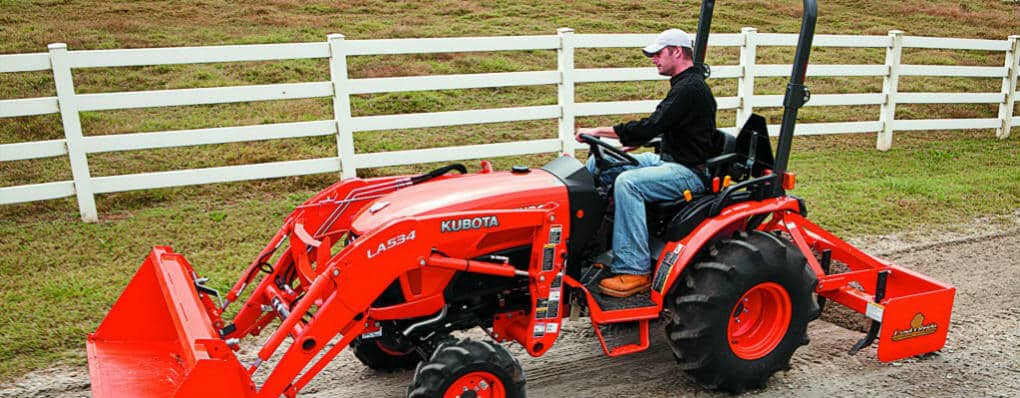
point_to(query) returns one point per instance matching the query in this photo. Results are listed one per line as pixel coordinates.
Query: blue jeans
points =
(652, 180)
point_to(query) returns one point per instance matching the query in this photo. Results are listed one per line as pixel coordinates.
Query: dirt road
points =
(981, 357)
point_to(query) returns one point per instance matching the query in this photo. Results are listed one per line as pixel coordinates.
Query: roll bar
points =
(701, 40)
(796, 93)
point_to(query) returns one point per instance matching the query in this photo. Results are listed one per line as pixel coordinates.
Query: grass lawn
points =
(59, 276)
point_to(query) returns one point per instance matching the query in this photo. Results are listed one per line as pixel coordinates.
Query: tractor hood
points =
(497, 190)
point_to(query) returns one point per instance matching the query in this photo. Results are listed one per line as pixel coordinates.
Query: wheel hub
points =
(759, 320)
(476, 385)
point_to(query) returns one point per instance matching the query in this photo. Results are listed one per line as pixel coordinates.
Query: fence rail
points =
(76, 146)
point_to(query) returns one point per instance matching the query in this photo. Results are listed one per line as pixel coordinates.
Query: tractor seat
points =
(746, 156)
(728, 143)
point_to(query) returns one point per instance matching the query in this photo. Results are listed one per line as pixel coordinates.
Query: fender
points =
(676, 256)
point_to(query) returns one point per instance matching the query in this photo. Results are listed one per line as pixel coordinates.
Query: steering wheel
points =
(606, 155)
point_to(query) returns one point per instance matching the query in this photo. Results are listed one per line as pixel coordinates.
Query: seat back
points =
(660, 213)
(745, 156)
(753, 152)
(725, 142)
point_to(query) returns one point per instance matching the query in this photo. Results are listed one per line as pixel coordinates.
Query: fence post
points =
(68, 104)
(1009, 87)
(893, 55)
(342, 105)
(745, 84)
(565, 65)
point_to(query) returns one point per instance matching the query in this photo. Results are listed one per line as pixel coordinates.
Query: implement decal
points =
(917, 329)
(467, 224)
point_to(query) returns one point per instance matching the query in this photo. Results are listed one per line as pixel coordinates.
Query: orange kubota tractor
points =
(389, 267)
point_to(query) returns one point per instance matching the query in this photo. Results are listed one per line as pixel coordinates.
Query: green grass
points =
(59, 276)
(920, 183)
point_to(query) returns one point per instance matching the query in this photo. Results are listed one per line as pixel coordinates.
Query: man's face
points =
(667, 60)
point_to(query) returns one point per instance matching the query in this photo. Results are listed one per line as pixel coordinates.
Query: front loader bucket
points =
(159, 340)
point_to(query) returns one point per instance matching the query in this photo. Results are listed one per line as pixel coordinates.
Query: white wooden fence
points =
(77, 146)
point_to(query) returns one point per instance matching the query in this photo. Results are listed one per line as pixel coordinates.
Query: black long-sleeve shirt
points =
(685, 119)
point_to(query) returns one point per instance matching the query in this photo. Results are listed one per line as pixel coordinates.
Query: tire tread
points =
(697, 332)
(456, 358)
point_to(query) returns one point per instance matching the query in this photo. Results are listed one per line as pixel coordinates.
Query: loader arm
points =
(318, 298)
(347, 196)
(344, 288)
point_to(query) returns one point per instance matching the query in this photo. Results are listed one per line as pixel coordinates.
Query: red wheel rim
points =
(390, 351)
(476, 384)
(759, 320)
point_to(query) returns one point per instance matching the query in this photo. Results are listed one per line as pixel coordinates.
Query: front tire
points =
(738, 315)
(377, 355)
(468, 368)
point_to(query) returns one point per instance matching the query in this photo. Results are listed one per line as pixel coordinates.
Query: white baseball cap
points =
(670, 37)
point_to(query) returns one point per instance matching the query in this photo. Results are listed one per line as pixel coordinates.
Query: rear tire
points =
(738, 315)
(378, 356)
(468, 368)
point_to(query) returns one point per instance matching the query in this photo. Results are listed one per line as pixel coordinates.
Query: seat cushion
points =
(667, 206)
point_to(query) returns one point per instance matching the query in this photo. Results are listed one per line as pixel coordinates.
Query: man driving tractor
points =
(389, 267)
(685, 120)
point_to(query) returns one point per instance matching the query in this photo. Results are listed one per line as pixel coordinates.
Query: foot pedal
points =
(592, 275)
(599, 269)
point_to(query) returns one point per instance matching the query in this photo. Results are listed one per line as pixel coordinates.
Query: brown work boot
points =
(625, 285)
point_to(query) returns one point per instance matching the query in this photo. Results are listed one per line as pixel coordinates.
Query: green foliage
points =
(217, 216)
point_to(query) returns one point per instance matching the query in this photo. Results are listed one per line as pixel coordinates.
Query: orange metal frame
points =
(339, 289)
(915, 311)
